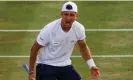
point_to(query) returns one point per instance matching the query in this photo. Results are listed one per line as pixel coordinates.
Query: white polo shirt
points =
(58, 45)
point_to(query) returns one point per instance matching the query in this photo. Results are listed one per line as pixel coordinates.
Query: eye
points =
(66, 14)
(71, 15)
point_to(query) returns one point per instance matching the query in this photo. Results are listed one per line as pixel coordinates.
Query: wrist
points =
(31, 72)
(90, 63)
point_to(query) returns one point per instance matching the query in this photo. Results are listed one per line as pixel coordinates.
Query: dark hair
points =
(69, 7)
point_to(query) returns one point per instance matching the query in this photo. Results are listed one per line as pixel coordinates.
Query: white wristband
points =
(90, 63)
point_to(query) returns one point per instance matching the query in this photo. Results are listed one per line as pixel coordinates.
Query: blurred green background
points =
(34, 15)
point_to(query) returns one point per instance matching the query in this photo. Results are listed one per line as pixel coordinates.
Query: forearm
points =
(33, 55)
(86, 54)
(84, 50)
(32, 60)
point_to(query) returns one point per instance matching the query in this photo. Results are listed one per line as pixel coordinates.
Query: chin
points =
(68, 25)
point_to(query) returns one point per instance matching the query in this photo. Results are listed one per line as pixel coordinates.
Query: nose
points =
(68, 17)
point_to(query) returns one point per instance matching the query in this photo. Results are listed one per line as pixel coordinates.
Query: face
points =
(68, 18)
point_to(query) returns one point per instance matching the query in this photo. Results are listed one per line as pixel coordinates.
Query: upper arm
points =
(82, 44)
(80, 32)
(43, 37)
(35, 47)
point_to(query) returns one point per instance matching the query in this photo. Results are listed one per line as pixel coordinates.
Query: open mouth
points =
(68, 22)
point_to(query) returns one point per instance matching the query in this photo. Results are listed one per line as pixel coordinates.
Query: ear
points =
(61, 13)
(77, 15)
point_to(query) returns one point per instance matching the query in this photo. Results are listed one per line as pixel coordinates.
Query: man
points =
(56, 42)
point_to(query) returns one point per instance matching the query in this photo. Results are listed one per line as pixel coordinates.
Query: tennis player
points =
(55, 43)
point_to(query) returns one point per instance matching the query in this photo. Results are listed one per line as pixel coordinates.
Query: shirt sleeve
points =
(81, 33)
(43, 37)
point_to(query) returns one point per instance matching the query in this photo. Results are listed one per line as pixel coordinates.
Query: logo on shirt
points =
(72, 41)
(41, 39)
(56, 43)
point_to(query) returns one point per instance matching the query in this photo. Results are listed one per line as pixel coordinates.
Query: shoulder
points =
(53, 23)
(51, 26)
(78, 26)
